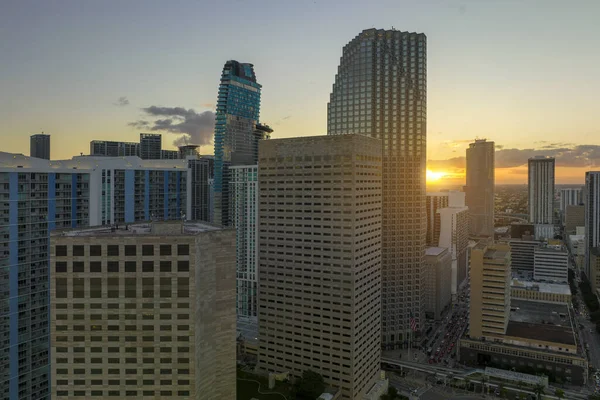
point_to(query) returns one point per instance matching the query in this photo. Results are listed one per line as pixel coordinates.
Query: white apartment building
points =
(551, 263)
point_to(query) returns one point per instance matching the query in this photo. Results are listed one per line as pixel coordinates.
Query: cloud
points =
(122, 102)
(208, 105)
(566, 155)
(196, 128)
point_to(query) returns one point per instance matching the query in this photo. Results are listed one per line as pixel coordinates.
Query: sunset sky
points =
(521, 73)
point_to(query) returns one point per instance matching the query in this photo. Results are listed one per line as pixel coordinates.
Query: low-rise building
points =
(438, 265)
(551, 263)
(540, 291)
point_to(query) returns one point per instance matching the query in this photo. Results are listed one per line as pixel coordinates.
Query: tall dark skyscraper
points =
(238, 109)
(39, 146)
(541, 190)
(380, 90)
(480, 188)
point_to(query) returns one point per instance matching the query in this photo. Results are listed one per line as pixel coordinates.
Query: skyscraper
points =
(39, 146)
(150, 146)
(380, 90)
(569, 197)
(143, 311)
(541, 190)
(238, 110)
(199, 195)
(434, 202)
(592, 215)
(480, 188)
(114, 149)
(322, 227)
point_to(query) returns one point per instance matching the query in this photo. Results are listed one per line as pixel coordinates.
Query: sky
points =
(522, 73)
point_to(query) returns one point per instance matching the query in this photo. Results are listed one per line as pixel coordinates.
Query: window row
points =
(120, 266)
(115, 250)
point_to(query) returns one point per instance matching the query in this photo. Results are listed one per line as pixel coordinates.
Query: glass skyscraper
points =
(380, 90)
(238, 108)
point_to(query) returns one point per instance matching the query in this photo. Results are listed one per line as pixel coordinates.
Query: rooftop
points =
(434, 251)
(162, 228)
(547, 322)
(494, 254)
(543, 287)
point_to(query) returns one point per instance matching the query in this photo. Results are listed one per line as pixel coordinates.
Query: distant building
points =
(438, 267)
(433, 202)
(480, 188)
(595, 269)
(541, 190)
(490, 273)
(199, 196)
(150, 146)
(188, 150)
(551, 263)
(569, 197)
(39, 146)
(522, 253)
(114, 149)
(331, 323)
(170, 155)
(454, 235)
(574, 217)
(540, 291)
(592, 216)
(577, 245)
(149, 300)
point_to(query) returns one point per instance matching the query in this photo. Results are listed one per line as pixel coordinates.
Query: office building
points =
(380, 90)
(480, 188)
(454, 235)
(188, 150)
(551, 263)
(569, 197)
(143, 311)
(321, 227)
(541, 190)
(114, 149)
(39, 146)
(199, 196)
(574, 217)
(244, 201)
(438, 267)
(150, 146)
(490, 291)
(238, 110)
(594, 276)
(540, 291)
(170, 155)
(433, 202)
(522, 254)
(592, 215)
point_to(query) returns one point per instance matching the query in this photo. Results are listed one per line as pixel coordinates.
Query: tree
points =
(310, 386)
(539, 390)
(559, 393)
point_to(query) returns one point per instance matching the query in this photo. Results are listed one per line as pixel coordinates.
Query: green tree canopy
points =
(310, 386)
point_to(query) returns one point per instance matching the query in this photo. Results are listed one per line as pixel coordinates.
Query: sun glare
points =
(434, 176)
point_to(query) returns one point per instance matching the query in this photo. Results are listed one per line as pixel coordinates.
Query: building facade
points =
(144, 311)
(39, 146)
(480, 188)
(592, 215)
(551, 263)
(490, 291)
(522, 254)
(454, 235)
(380, 90)
(150, 146)
(322, 227)
(541, 190)
(569, 197)
(238, 110)
(541, 291)
(201, 172)
(244, 189)
(438, 266)
(433, 202)
(574, 217)
(114, 149)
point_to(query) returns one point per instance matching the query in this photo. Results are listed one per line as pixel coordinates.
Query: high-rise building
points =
(150, 146)
(41, 196)
(244, 211)
(480, 188)
(114, 149)
(569, 197)
(321, 227)
(592, 215)
(454, 235)
(438, 266)
(380, 90)
(199, 195)
(39, 146)
(551, 263)
(238, 109)
(143, 311)
(490, 291)
(574, 217)
(434, 201)
(541, 190)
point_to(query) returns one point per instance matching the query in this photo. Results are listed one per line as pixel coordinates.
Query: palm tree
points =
(539, 390)
(559, 393)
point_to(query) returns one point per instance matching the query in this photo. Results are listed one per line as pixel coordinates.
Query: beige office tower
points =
(490, 291)
(320, 259)
(143, 311)
(380, 90)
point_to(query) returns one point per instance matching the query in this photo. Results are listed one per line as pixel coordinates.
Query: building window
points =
(61, 266)
(165, 266)
(61, 251)
(78, 266)
(165, 249)
(95, 250)
(130, 250)
(130, 288)
(95, 266)
(78, 288)
(147, 266)
(61, 288)
(112, 250)
(147, 250)
(96, 288)
(183, 266)
(78, 251)
(183, 250)
(130, 266)
(113, 266)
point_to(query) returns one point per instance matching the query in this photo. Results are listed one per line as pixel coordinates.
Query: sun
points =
(434, 176)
